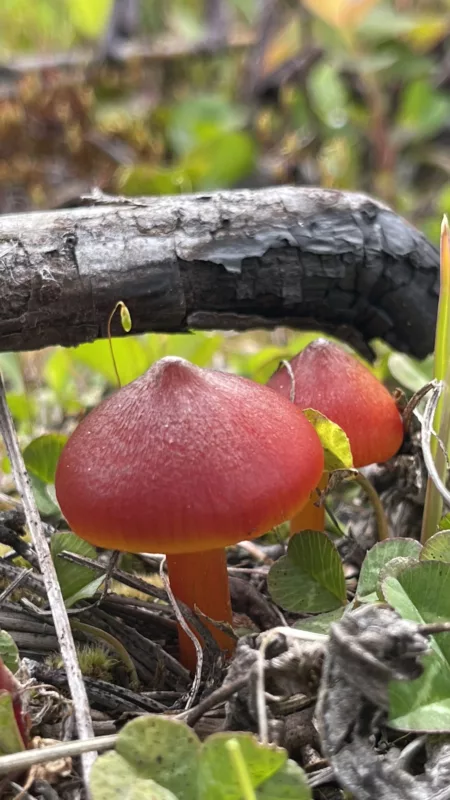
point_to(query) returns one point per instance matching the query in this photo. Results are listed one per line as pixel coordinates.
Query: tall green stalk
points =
(433, 500)
(240, 768)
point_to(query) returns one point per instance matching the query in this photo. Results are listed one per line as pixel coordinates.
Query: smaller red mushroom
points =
(330, 380)
(186, 461)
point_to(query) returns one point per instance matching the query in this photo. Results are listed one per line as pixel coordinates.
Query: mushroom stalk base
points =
(201, 580)
(312, 516)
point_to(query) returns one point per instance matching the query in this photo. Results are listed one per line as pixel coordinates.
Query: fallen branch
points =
(304, 258)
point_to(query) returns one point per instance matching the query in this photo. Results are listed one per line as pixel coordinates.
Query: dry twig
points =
(55, 598)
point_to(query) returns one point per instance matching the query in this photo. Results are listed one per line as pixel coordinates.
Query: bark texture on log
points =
(305, 258)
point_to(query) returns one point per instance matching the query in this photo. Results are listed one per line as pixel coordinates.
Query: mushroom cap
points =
(186, 459)
(335, 383)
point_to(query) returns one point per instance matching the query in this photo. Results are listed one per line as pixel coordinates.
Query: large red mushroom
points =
(186, 461)
(326, 378)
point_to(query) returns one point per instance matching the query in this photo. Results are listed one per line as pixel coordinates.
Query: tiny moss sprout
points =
(95, 662)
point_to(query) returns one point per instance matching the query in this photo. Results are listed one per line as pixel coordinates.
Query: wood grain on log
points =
(305, 258)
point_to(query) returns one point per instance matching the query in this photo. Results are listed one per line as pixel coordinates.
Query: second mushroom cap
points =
(331, 381)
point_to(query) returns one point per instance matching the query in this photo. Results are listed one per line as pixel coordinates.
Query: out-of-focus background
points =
(187, 95)
(157, 97)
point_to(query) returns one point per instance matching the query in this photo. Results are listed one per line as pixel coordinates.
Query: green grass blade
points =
(433, 501)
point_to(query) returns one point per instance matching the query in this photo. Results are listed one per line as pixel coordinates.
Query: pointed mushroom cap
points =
(186, 459)
(335, 383)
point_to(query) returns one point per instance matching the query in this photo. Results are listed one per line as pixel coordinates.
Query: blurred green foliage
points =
(370, 112)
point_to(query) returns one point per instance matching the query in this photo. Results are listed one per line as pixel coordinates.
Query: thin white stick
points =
(427, 433)
(19, 762)
(183, 624)
(60, 619)
(261, 708)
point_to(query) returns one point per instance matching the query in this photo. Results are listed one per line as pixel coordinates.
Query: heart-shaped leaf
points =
(437, 548)
(289, 783)
(310, 577)
(41, 456)
(162, 759)
(377, 557)
(9, 652)
(167, 751)
(74, 578)
(420, 593)
(444, 523)
(113, 777)
(217, 777)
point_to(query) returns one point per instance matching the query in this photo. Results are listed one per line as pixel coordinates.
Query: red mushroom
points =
(335, 383)
(186, 461)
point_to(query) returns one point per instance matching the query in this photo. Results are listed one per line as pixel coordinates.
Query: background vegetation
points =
(272, 93)
(202, 96)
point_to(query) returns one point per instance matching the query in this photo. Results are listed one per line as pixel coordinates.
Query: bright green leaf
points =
(419, 593)
(197, 347)
(320, 623)
(392, 569)
(423, 110)
(10, 738)
(201, 119)
(310, 577)
(444, 523)
(384, 23)
(22, 406)
(112, 778)
(46, 504)
(146, 179)
(9, 652)
(41, 456)
(437, 548)
(130, 354)
(223, 161)
(89, 17)
(217, 777)
(377, 557)
(11, 368)
(166, 751)
(334, 441)
(328, 94)
(72, 577)
(143, 789)
(59, 374)
(408, 372)
(5, 465)
(86, 592)
(289, 783)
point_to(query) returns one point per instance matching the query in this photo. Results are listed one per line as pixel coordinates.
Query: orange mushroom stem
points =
(186, 461)
(312, 516)
(325, 377)
(211, 593)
